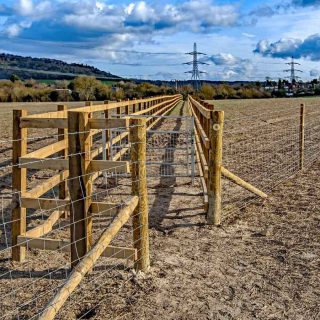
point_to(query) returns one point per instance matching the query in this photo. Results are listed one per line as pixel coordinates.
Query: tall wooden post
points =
(19, 185)
(63, 135)
(302, 134)
(127, 107)
(215, 163)
(139, 188)
(80, 185)
(106, 115)
(89, 104)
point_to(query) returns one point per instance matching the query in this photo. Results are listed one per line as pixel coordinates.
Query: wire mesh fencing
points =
(170, 147)
(266, 148)
(40, 238)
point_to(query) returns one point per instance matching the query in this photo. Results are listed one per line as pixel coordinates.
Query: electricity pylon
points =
(293, 78)
(195, 63)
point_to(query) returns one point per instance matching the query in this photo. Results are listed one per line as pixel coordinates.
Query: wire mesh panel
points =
(26, 286)
(264, 149)
(170, 153)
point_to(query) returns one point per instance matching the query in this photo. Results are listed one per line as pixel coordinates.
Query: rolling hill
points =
(44, 68)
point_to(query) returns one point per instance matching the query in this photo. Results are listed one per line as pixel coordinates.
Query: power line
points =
(195, 63)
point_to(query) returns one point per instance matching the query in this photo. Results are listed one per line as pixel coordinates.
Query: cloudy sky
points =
(243, 40)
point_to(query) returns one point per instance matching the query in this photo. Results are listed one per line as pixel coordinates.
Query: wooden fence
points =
(209, 146)
(76, 158)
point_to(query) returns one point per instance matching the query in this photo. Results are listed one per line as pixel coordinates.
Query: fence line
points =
(259, 151)
(67, 218)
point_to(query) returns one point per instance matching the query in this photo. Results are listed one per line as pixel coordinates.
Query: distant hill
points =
(44, 68)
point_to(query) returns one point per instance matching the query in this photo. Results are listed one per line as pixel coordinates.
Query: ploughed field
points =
(262, 263)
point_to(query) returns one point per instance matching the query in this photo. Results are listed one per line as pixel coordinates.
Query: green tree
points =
(14, 78)
(207, 92)
(86, 87)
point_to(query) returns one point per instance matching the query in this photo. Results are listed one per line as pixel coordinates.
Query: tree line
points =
(82, 88)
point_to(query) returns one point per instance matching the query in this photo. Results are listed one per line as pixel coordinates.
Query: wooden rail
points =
(75, 160)
(88, 261)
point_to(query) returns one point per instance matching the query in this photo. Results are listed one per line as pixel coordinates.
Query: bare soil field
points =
(262, 263)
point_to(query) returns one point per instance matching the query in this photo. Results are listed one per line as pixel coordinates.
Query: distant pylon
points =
(195, 63)
(293, 78)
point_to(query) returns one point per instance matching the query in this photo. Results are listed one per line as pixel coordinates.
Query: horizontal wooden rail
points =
(105, 165)
(200, 130)
(48, 151)
(64, 246)
(44, 123)
(63, 164)
(203, 160)
(44, 163)
(88, 261)
(46, 226)
(123, 135)
(105, 209)
(204, 111)
(43, 188)
(93, 108)
(108, 123)
(45, 204)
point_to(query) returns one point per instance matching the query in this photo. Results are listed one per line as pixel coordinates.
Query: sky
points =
(242, 40)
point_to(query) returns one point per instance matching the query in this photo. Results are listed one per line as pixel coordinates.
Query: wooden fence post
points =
(80, 184)
(139, 188)
(107, 132)
(302, 134)
(19, 185)
(215, 164)
(63, 135)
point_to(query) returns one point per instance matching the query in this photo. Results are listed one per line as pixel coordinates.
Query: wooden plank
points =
(242, 183)
(46, 226)
(120, 253)
(88, 262)
(108, 123)
(200, 130)
(50, 115)
(49, 150)
(95, 108)
(43, 188)
(44, 163)
(203, 184)
(205, 112)
(19, 184)
(215, 165)
(106, 165)
(203, 160)
(44, 123)
(44, 204)
(105, 209)
(64, 246)
(44, 244)
(140, 224)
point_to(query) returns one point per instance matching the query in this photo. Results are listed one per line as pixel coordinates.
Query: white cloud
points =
(13, 30)
(25, 7)
(248, 35)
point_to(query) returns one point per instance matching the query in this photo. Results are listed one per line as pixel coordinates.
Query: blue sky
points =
(243, 40)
